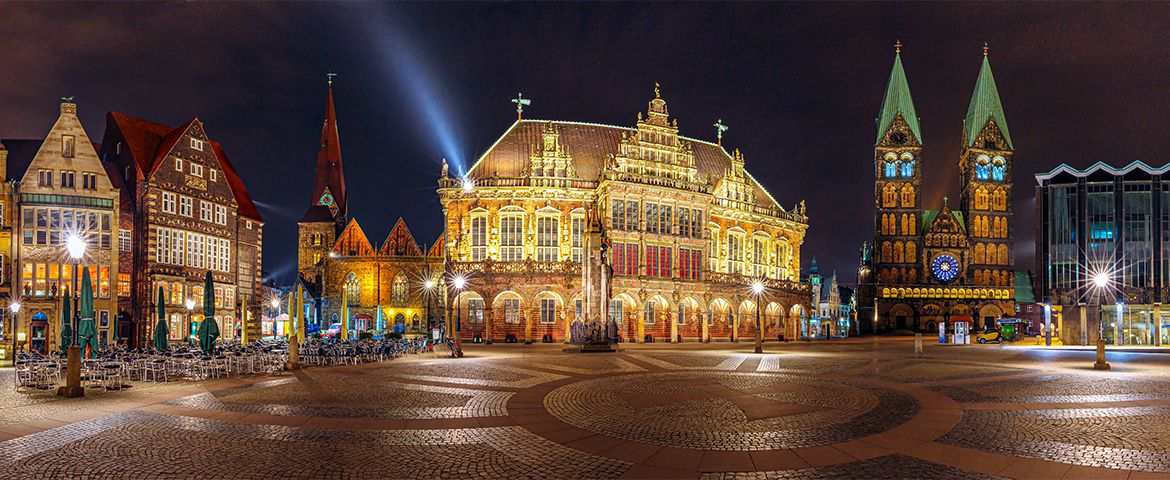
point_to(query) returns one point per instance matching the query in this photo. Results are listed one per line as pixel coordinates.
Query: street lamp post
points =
(275, 313)
(428, 292)
(76, 248)
(758, 290)
(190, 304)
(15, 308)
(1101, 281)
(458, 283)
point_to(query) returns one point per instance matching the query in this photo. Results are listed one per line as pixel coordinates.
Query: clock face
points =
(944, 268)
(326, 199)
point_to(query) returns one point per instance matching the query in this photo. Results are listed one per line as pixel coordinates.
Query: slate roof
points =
(318, 213)
(590, 144)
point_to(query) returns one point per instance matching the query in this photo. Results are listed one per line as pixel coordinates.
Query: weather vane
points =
(520, 102)
(719, 129)
(329, 78)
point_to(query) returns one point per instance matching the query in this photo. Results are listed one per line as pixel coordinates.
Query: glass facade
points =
(1062, 237)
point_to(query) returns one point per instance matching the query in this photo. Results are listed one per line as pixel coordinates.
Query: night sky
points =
(799, 84)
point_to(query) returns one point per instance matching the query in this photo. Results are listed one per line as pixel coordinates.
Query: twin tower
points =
(957, 244)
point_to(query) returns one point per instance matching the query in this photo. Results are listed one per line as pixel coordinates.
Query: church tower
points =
(985, 175)
(898, 178)
(327, 214)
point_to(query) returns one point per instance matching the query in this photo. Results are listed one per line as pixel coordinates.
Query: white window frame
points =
(196, 169)
(206, 211)
(178, 164)
(169, 202)
(197, 144)
(186, 206)
(220, 214)
(548, 311)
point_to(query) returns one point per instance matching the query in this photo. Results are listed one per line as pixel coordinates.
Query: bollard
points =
(918, 344)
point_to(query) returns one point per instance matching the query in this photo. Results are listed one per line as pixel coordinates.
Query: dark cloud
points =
(798, 83)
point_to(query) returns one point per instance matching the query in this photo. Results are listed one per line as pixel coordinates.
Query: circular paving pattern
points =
(713, 410)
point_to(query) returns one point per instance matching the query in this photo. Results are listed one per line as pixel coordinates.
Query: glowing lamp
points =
(1101, 280)
(15, 307)
(459, 282)
(76, 246)
(20, 336)
(190, 304)
(757, 287)
(275, 303)
(429, 284)
(468, 185)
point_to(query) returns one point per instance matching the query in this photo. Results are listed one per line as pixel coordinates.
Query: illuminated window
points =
(67, 142)
(511, 310)
(478, 238)
(734, 253)
(578, 230)
(123, 284)
(511, 238)
(399, 290)
(547, 239)
(352, 289)
(475, 310)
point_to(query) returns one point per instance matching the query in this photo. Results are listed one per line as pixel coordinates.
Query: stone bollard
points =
(918, 344)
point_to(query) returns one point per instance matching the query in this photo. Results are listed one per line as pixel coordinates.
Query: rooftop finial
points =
(985, 48)
(898, 46)
(720, 127)
(520, 102)
(656, 86)
(329, 78)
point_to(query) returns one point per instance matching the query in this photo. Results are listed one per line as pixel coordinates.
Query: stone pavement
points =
(858, 408)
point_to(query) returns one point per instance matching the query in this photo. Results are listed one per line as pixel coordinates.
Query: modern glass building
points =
(1110, 221)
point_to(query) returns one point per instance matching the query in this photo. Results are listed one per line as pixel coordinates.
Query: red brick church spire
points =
(329, 186)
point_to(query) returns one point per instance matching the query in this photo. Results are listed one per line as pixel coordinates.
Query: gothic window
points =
(889, 196)
(651, 311)
(352, 289)
(887, 252)
(912, 275)
(511, 238)
(782, 259)
(1003, 254)
(398, 290)
(998, 169)
(999, 200)
(981, 198)
(979, 253)
(911, 252)
(759, 256)
(983, 167)
(905, 226)
(907, 165)
(912, 225)
(898, 252)
(907, 195)
(889, 164)
(478, 238)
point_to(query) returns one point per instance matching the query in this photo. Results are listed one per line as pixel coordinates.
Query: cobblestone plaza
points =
(865, 408)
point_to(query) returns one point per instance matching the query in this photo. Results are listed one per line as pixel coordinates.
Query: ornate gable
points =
(437, 249)
(400, 242)
(735, 184)
(548, 159)
(353, 241)
(655, 149)
(945, 229)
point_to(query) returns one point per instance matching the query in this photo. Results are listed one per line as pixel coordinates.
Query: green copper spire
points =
(985, 106)
(898, 100)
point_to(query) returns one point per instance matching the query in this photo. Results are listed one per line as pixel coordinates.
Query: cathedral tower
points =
(898, 178)
(319, 228)
(985, 177)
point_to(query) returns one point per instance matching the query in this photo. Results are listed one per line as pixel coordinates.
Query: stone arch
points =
(502, 314)
(469, 308)
(544, 315)
(990, 310)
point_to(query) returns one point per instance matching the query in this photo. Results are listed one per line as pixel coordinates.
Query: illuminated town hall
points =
(949, 264)
(685, 232)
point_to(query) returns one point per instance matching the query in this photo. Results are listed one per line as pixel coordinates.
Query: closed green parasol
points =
(208, 329)
(160, 330)
(66, 322)
(87, 334)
